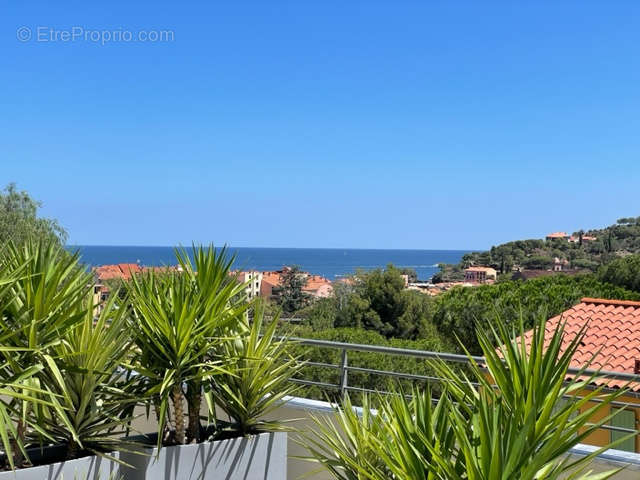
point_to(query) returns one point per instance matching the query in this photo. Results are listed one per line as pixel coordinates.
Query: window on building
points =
(625, 418)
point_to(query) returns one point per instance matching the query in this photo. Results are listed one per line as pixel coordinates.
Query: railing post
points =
(344, 373)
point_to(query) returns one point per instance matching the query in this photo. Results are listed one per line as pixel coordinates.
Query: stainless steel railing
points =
(344, 368)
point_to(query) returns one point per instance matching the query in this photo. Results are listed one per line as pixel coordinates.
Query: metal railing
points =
(344, 368)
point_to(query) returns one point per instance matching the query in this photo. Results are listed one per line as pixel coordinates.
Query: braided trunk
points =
(178, 410)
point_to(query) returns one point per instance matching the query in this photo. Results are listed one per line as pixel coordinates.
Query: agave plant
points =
(176, 317)
(85, 372)
(507, 420)
(259, 367)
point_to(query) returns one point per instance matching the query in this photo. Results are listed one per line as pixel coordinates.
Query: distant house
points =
(253, 280)
(585, 238)
(122, 271)
(318, 286)
(270, 280)
(480, 275)
(560, 264)
(557, 236)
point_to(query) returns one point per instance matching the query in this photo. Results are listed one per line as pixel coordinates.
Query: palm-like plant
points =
(14, 379)
(85, 372)
(348, 445)
(45, 298)
(259, 368)
(176, 317)
(521, 427)
(505, 421)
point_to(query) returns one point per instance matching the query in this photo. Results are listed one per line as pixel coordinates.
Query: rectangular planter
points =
(257, 457)
(85, 468)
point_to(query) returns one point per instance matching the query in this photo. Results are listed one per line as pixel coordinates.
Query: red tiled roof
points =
(557, 235)
(612, 335)
(121, 270)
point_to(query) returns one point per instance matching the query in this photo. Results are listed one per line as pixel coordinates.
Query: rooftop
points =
(612, 335)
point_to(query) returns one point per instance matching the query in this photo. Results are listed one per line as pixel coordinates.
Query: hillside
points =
(581, 250)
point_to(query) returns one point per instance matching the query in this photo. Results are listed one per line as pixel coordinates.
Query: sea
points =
(328, 262)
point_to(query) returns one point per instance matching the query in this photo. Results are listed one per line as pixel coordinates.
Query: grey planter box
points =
(86, 468)
(258, 457)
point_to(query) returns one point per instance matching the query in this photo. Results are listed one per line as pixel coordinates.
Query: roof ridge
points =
(606, 301)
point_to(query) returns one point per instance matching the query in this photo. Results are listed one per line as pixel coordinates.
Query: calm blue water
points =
(330, 263)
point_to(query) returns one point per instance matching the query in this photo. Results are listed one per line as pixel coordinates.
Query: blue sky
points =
(324, 124)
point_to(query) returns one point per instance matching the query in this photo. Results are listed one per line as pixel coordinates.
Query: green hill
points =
(585, 250)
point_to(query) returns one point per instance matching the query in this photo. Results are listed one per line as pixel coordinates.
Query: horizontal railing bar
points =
(318, 364)
(449, 357)
(389, 373)
(312, 383)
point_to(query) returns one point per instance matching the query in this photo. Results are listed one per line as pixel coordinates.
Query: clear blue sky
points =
(324, 124)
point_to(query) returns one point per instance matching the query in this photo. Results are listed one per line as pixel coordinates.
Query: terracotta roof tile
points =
(612, 335)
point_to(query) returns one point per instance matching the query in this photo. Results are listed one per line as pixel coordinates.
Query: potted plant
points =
(189, 325)
(67, 415)
(511, 423)
(71, 374)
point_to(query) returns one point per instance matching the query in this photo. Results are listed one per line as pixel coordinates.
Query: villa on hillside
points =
(557, 236)
(480, 275)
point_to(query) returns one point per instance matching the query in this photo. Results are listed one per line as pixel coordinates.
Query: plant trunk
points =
(72, 450)
(21, 432)
(194, 399)
(178, 413)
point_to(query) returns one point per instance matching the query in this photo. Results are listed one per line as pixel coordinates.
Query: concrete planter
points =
(258, 457)
(89, 468)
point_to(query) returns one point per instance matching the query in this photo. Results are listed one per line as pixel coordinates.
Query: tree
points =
(291, 297)
(623, 272)
(19, 219)
(460, 311)
(374, 300)
(538, 262)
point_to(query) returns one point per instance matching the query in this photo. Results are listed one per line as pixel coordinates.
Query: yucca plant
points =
(348, 445)
(45, 299)
(176, 317)
(259, 367)
(521, 427)
(16, 381)
(85, 371)
(505, 421)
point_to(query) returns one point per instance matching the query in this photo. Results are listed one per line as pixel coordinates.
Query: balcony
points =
(301, 409)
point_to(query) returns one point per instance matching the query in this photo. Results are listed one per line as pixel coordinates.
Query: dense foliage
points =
(19, 219)
(369, 360)
(461, 310)
(72, 372)
(374, 300)
(617, 240)
(377, 301)
(624, 272)
(289, 294)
